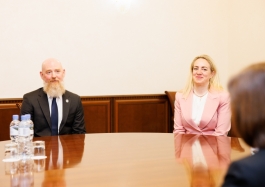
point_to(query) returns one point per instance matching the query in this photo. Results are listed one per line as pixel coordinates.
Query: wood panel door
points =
(141, 115)
(97, 116)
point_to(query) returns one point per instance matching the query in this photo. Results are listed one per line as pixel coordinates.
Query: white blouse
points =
(198, 104)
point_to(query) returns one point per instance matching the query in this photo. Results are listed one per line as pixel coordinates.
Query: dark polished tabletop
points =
(131, 159)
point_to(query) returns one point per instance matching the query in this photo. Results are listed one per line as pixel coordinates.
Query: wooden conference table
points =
(131, 159)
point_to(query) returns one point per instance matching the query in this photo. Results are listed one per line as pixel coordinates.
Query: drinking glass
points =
(11, 151)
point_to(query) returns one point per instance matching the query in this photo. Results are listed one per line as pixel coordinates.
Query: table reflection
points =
(204, 157)
(62, 152)
(24, 175)
(107, 160)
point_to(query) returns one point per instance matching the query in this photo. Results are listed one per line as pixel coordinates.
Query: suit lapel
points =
(209, 109)
(66, 100)
(44, 105)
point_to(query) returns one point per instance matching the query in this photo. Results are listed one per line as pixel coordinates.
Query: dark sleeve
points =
(27, 107)
(79, 122)
(235, 176)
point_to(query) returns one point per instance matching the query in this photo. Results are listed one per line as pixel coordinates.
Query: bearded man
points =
(54, 110)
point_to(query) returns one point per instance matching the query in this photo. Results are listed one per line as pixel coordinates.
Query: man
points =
(54, 110)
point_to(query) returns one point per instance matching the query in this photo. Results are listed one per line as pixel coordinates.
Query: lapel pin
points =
(67, 100)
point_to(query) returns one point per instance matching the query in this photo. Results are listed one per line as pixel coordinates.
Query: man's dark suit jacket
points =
(36, 103)
(249, 171)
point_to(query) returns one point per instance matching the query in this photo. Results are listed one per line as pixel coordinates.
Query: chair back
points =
(171, 98)
(18, 106)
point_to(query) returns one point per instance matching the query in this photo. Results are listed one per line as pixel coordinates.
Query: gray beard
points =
(54, 89)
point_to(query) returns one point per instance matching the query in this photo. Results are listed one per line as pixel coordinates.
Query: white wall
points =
(144, 47)
(246, 34)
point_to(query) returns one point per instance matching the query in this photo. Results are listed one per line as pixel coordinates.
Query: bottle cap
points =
(27, 116)
(23, 117)
(15, 117)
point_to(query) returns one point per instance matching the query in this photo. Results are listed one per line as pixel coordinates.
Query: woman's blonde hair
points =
(214, 83)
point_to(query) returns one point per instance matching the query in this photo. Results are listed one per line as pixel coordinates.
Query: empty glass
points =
(11, 151)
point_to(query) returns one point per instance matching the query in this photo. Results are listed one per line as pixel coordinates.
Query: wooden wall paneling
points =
(146, 114)
(97, 115)
(104, 114)
(7, 110)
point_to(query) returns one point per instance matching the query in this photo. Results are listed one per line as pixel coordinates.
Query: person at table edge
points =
(247, 91)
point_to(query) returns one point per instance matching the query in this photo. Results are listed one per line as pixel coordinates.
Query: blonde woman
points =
(202, 107)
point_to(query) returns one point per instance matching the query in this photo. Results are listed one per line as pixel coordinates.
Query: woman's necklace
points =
(200, 96)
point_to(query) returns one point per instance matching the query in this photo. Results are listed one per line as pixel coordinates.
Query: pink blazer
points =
(216, 116)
